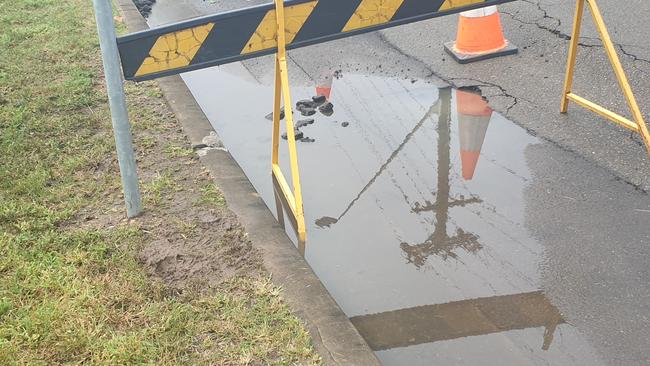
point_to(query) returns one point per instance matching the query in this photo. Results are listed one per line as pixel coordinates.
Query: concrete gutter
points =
(333, 335)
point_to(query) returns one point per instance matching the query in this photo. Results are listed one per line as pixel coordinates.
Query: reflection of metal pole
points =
(439, 242)
(444, 165)
(117, 102)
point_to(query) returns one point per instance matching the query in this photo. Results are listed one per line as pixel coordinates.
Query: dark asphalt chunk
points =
(327, 109)
(306, 107)
(306, 103)
(299, 135)
(306, 112)
(319, 99)
(144, 6)
(304, 122)
(270, 115)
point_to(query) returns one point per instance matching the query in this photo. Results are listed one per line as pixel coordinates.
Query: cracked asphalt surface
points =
(527, 87)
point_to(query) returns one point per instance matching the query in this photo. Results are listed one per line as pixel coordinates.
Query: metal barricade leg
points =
(638, 124)
(283, 94)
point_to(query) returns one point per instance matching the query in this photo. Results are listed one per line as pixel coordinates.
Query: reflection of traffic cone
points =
(473, 120)
(324, 85)
(480, 37)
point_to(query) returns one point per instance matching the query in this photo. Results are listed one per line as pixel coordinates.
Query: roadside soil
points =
(80, 283)
(191, 238)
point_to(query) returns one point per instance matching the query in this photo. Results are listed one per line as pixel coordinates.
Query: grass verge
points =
(78, 283)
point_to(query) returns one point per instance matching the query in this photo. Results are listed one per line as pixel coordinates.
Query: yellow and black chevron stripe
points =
(251, 32)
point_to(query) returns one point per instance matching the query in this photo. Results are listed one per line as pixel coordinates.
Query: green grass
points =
(154, 191)
(73, 293)
(210, 195)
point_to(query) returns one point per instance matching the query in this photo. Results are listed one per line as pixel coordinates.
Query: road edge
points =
(333, 335)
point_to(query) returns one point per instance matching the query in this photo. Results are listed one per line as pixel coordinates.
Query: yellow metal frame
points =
(283, 93)
(638, 125)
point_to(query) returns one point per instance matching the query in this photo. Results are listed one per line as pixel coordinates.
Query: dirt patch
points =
(191, 238)
(218, 251)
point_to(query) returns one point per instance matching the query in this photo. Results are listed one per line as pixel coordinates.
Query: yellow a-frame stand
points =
(638, 125)
(283, 93)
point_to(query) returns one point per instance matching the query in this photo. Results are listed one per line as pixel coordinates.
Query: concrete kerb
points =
(334, 336)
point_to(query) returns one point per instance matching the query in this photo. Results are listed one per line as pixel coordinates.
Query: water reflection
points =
(427, 249)
(458, 319)
(439, 242)
(373, 179)
(327, 221)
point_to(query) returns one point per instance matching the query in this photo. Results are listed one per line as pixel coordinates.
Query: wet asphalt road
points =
(529, 85)
(540, 218)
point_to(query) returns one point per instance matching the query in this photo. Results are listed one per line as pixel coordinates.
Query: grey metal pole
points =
(117, 102)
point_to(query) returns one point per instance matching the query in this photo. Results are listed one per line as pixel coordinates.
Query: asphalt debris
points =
(304, 122)
(144, 6)
(319, 99)
(327, 109)
(306, 103)
(297, 133)
(270, 115)
(306, 112)
(306, 107)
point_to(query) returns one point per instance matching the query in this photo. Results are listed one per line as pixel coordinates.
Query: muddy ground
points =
(192, 239)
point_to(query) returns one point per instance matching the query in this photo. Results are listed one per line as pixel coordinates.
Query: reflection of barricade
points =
(440, 242)
(274, 28)
(458, 319)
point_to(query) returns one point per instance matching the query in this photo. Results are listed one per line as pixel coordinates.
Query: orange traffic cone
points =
(473, 121)
(479, 37)
(324, 85)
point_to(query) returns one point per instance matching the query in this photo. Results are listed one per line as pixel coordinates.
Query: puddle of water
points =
(416, 229)
(445, 232)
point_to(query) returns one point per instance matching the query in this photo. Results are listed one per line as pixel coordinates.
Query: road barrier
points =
(283, 94)
(638, 125)
(252, 32)
(274, 28)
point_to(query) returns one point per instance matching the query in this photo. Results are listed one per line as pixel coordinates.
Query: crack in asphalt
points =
(503, 92)
(516, 100)
(538, 23)
(631, 55)
(545, 15)
(567, 37)
(451, 81)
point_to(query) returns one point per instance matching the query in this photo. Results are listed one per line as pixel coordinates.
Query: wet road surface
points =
(448, 234)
